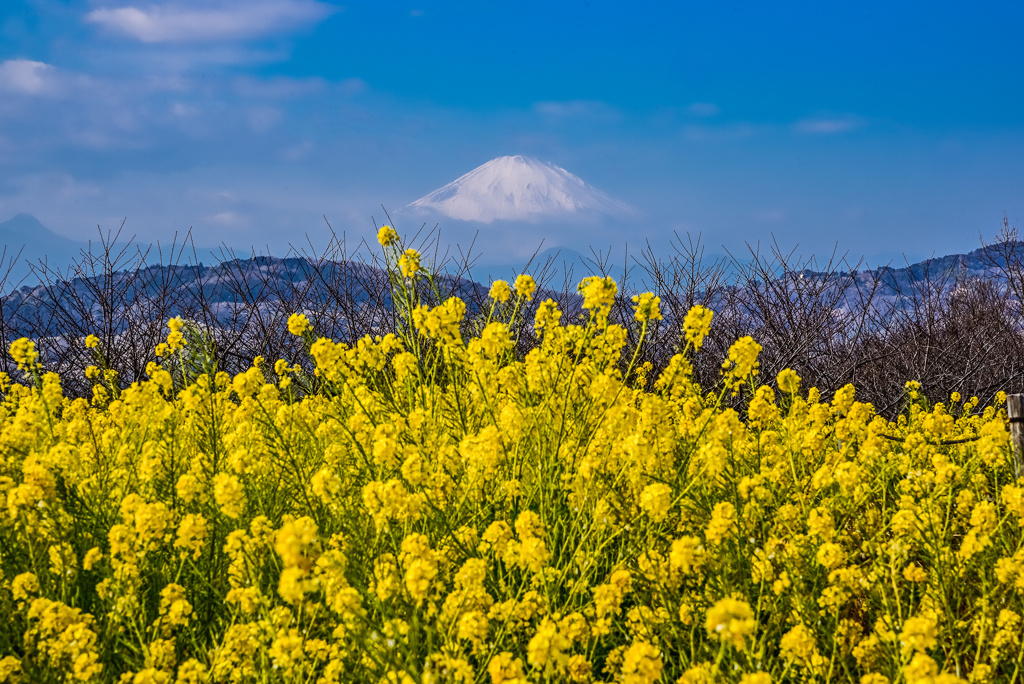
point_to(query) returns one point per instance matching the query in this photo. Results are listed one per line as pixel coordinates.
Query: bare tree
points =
(833, 323)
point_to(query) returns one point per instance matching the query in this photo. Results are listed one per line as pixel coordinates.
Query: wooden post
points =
(1015, 413)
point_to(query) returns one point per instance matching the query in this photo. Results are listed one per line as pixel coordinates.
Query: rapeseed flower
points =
(387, 236)
(192, 533)
(722, 524)
(647, 307)
(547, 316)
(500, 291)
(788, 381)
(731, 621)
(598, 293)
(799, 646)
(229, 495)
(421, 566)
(697, 325)
(409, 263)
(24, 353)
(441, 509)
(919, 634)
(525, 286)
(298, 324)
(505, 668)
(742, 362)
(655, 500)
(641, 664)
(547, 648)
(24, 586)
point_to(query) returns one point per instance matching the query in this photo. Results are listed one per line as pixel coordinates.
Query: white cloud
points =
(179, 22)
(26, 76)
(828, 125)
(227, 218)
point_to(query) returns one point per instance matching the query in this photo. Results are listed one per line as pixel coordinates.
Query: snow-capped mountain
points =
(518, 188)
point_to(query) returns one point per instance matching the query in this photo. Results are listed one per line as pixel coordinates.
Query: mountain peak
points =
(518, 188)
(20, 221)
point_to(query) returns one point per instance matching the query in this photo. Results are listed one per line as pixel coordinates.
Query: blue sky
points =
(884, 127)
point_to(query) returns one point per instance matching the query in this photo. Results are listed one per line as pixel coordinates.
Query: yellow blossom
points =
(192, 531)
(756, 678)
(229, 494)
(504, 668)
(420, 563)
(722, 524)
(655, 500)
(409, 263)
(641, 664)
(742, 362)
(24, 353)
(24, 585)
(799, 645)
(547, 649)
(732, 621)
(387, 236)
(598, 293)
(92, 557)
(500, 291)
(918, 634)
(788, 381)
(697, 325)
(525, 286)
(298, 324)
(547, 316)
(10, 669)
(830, 555)
(647, 307)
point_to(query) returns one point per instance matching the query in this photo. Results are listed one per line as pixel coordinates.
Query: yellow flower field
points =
(431, 508)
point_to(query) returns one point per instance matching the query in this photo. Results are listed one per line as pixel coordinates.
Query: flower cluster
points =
(439, 507)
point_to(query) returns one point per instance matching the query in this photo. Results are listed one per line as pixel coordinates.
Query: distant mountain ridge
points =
(27, 241)
(275, 276)
(30, 250)
(892, 282)
(246, 303)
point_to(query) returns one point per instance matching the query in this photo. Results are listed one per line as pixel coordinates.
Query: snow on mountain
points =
(518, 188)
